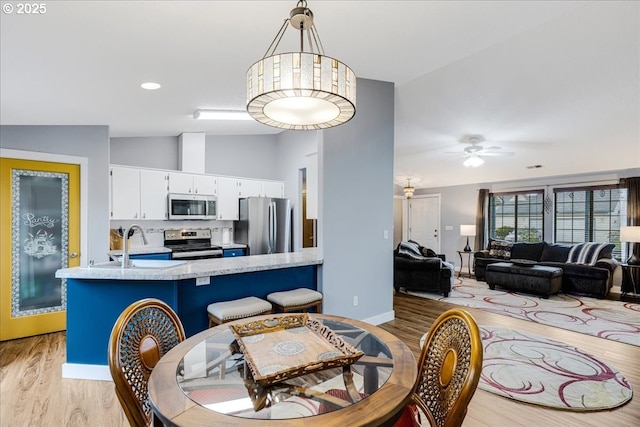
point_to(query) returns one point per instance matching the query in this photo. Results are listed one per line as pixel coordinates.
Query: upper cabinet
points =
(142, 193)
(273, 189)
(259, 188)
(228, 196)
(138, 193)
(187, 183)
(250, 187)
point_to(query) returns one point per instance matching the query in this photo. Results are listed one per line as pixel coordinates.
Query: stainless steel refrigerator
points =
(264, 225)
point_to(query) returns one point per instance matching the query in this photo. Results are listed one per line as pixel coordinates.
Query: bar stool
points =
(296, 300)
(225, 311)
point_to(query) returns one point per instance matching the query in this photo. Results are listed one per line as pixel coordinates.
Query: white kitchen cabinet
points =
(188, 183)
(138, 193)
(250, 188)
(205, 184)
(153, 194)
(228, 196)
(125, 193)
(273, 189)
(180, 182)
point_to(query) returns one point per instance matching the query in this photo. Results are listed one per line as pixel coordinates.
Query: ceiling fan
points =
(474, 152)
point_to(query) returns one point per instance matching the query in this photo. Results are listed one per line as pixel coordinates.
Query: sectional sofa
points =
(587, 270)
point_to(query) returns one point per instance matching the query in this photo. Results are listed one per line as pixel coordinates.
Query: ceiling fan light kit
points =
(474, 161)
(301, 90)
(474, 152)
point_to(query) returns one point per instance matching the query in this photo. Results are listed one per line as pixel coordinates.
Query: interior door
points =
(424, 221)
(40, 222)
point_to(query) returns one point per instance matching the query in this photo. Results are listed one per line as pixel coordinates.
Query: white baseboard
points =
(381, 318)
(80, 371)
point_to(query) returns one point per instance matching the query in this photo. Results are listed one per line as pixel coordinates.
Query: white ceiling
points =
(555, 82)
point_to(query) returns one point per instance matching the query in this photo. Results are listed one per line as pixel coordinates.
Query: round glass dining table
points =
(206, 381)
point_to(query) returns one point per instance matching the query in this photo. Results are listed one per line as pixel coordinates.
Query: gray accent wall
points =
(356, 207)
(247, 156)
(157, 152)
(91, 142)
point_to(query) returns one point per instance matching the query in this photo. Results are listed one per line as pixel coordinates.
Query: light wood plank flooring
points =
(33, 393)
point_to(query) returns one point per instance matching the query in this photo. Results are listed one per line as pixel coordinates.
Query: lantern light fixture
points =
(301, 90)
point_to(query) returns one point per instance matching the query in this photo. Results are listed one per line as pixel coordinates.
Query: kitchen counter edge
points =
(198, 268)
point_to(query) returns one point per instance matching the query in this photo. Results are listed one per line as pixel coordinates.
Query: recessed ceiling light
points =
(221, 115)
(150, 86)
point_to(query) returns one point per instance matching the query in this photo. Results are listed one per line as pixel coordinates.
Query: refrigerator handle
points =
(274, 229)
(270, 226)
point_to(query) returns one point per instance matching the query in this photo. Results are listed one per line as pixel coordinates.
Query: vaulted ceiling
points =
(555, 82)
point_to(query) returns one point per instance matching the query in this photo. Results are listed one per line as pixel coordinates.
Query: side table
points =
(629, 287)
(469, 254)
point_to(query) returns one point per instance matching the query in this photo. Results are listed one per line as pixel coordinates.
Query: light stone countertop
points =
(196, 268)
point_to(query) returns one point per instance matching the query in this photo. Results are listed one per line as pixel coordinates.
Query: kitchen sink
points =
(140, 264)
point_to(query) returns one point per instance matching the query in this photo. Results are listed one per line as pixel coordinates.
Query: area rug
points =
(537, 370)
(612, 320)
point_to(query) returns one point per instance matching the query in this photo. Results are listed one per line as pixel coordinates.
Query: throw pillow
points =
(586, 253)
(500, 249)
(409, 249)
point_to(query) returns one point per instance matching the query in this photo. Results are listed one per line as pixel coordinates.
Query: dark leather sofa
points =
(421, 273)
(581, 279)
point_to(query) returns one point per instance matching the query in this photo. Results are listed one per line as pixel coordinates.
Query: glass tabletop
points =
(215, 375)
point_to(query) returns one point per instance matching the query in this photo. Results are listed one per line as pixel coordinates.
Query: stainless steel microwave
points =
(192, 206)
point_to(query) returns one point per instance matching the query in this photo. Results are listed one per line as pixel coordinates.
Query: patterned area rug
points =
(534, 369)
(612, 320)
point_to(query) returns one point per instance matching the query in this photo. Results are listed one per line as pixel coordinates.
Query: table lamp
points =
(631, 234)
(467, 230)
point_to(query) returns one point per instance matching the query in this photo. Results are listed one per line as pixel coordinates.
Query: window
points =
(517, 217)
(590, 214)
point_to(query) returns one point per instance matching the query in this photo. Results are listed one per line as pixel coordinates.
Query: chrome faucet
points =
(126, 263)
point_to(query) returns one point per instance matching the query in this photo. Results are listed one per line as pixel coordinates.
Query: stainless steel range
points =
(188, 244)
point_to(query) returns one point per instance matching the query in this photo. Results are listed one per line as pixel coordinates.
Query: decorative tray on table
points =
(279, 348)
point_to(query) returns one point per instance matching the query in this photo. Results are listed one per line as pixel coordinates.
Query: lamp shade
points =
(467, 230)
(630, 234)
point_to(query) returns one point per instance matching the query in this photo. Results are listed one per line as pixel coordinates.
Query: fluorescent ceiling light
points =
(221, 115)
(150, 86)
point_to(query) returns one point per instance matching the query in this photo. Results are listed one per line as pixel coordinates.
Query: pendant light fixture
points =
(408, 190)
(301, 90)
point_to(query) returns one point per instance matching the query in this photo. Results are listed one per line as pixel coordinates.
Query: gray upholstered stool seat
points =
(296, 300)
(225, 311)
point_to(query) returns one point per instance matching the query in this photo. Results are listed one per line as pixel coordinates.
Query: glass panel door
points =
(40, 220)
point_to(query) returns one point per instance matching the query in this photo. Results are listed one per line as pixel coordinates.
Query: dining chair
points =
(142, 334)
(448, 372)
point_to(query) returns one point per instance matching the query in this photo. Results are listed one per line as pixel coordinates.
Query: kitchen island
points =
(96, 295)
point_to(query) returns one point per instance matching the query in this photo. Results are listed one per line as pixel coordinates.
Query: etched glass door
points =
(40, 234)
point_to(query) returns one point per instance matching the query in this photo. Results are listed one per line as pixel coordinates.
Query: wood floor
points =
(33, 394)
